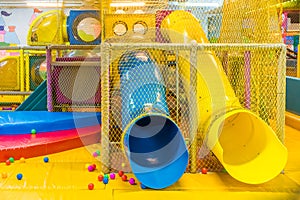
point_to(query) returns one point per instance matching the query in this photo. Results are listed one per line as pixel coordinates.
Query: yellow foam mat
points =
(65, 177)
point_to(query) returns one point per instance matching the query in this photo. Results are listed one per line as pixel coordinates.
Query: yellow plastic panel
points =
(137, 26)
(9, 73)
(47, 29)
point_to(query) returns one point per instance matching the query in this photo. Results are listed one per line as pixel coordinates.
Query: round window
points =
(87, 27)
(140, 27)
(120, 28)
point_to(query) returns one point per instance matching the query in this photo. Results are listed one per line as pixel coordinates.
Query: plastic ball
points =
(131, 181)
(22, 160)
(33, 131)
(98, 152)
(106, 176)
(91, 168)
(204, 170)
(124, 177)
(100, 178)
(112, 176)
(7, 162)
(19, 176)
(11, 159)
(105, 180)
(143, 186)
(94, 166)
(95, 154)
(46, 159)
(4, 175)
(91, 186)
(120, 173)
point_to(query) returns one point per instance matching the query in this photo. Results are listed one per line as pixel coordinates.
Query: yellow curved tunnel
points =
(246, 146)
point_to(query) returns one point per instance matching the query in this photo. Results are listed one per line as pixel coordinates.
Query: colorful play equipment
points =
(55, 132)
(81, 27)
(22, 70)
(9, 69)
(153, 142)
(38, 70)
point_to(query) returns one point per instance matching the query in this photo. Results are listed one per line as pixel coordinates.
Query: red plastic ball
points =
(100, 178)
(204, 170)
(91, 186)
(94, 166)
(120, 173)
(7, 162)
(124, 177)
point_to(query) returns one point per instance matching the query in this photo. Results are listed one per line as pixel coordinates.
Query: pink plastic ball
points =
(131, 181)
(91, 168)
(95, 154)
(112, 176)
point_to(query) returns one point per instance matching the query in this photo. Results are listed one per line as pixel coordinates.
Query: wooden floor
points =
(65, 177)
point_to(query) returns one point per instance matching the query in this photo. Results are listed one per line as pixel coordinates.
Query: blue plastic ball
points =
(19, 176)
(46, 159)
(105, 180)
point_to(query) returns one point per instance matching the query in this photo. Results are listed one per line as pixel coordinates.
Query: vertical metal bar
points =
(22, 71)
(105, 104)
(27, 72)
(49, 80)
(193, 81)
(177, 86)
(281, 92)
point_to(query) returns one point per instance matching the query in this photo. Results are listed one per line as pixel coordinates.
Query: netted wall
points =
(256, 72)
(74, 78)
(259, 89)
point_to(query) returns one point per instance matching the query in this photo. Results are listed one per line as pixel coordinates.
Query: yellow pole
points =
(22, 70)
(27, 75)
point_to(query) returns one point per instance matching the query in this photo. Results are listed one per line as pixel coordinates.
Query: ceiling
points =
(70, 3)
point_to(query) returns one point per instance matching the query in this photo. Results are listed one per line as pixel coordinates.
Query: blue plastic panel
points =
(23, 122)
(75, 19)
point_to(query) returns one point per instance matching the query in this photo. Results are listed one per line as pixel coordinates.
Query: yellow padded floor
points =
(65, 177)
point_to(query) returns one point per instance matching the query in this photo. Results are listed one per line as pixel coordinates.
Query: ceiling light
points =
(127, 4)
(44, 4)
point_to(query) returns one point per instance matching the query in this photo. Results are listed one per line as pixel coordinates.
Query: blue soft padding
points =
(12, 123)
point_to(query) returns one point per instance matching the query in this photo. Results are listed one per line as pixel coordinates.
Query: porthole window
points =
(140, 27)
(120, 28)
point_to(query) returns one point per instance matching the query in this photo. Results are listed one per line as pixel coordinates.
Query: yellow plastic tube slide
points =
(246, 146)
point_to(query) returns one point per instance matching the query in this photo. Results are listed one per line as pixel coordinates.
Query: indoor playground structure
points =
(158, 91)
